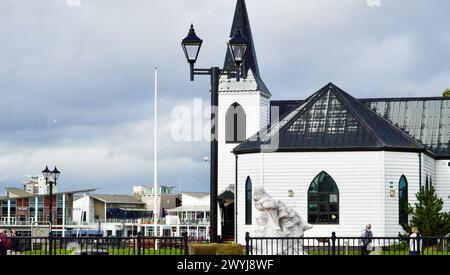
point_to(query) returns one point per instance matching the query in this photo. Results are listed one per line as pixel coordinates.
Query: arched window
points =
(248, 201)
(323, 200)
(403, 200)
(235, 124)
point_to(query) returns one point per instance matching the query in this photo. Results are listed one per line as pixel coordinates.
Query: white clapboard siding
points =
(256, 107)
(428, 169)
(250, 104)
(396, 165)
(264, 110)
(359, 176)
(442, 182)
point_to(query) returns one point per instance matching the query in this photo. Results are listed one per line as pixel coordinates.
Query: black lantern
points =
(46, 173)
(55, 174)
(238, 47)
(191, 45)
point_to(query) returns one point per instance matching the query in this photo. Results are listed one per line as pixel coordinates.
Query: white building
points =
(36, 185)
(194, 209)
(165, 198)
(122, 215)
(192, 216)
(339, 161)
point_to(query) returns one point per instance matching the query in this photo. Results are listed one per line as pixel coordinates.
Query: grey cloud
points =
(90, 68)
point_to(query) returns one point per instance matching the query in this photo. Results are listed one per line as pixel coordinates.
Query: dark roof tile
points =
(330, 119)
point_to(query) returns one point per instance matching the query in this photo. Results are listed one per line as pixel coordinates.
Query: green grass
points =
(43, 251)
(147, 251)
(122, 251)
(356, 252)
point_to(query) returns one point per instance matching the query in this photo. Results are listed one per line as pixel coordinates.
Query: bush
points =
(446, 93)
(428, 215)
(215, 249)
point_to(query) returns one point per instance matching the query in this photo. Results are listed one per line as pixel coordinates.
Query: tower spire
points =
(250, 62)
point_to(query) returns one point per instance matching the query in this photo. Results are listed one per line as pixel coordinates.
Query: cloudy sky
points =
(76, 82)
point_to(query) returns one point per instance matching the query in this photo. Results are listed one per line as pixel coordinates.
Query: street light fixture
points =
(238, 46)
(46, 173)
(191, 46)
(50, 179)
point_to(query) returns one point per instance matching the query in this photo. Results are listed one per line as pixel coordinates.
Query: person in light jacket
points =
(415, 242)
(366, 240)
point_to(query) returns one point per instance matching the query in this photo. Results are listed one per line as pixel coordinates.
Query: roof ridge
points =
(355, 114)
(305, 105)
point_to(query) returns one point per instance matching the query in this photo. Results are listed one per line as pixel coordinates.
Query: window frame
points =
(323, 198)
(248, 201)
(235, 109)
(402, 213)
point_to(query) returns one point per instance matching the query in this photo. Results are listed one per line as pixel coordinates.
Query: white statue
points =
(276, 220)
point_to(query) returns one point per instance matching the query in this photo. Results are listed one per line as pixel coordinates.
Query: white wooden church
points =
(340, 162)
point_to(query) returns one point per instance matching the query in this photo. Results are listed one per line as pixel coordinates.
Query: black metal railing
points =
(334, 245)
(94, 245)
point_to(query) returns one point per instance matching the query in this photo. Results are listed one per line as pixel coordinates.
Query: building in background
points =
(194, 208)
(81, 212)
(22, 210)
(113, 215)
(126, 215)
(165, 199)
(36, 185)
(92, 208)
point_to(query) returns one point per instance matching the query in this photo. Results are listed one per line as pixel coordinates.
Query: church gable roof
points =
(331, 119)
(250, 61)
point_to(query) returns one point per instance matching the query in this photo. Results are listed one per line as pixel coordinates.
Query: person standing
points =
(366, 239)
(14, 245)
(415, 241)
(3, 243)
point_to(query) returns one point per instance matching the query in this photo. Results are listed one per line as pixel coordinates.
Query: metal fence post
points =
(247, 243)
(418, 244)
(333, 243)
(50, 240)
(139, 243)
(185, 243)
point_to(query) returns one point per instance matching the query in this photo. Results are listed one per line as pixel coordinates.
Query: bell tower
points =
(243, 107)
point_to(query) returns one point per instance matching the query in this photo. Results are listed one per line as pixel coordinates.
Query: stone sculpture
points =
(275, 219)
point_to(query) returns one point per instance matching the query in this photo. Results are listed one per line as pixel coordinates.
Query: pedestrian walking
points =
(366, 240)
(415, 242)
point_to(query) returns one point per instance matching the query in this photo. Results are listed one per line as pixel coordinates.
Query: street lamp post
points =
(53, 176)
(238, 47)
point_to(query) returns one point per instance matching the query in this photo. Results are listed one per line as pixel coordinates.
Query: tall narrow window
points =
(248, 201)
(403, 200)
(323, 200)
(235, 124)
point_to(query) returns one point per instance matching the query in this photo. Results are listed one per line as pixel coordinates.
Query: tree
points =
(446, 93)
(427, 215)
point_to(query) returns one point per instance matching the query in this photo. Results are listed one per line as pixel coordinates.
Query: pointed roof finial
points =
(241, 25)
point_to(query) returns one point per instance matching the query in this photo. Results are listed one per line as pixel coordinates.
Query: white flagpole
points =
(155, 160)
